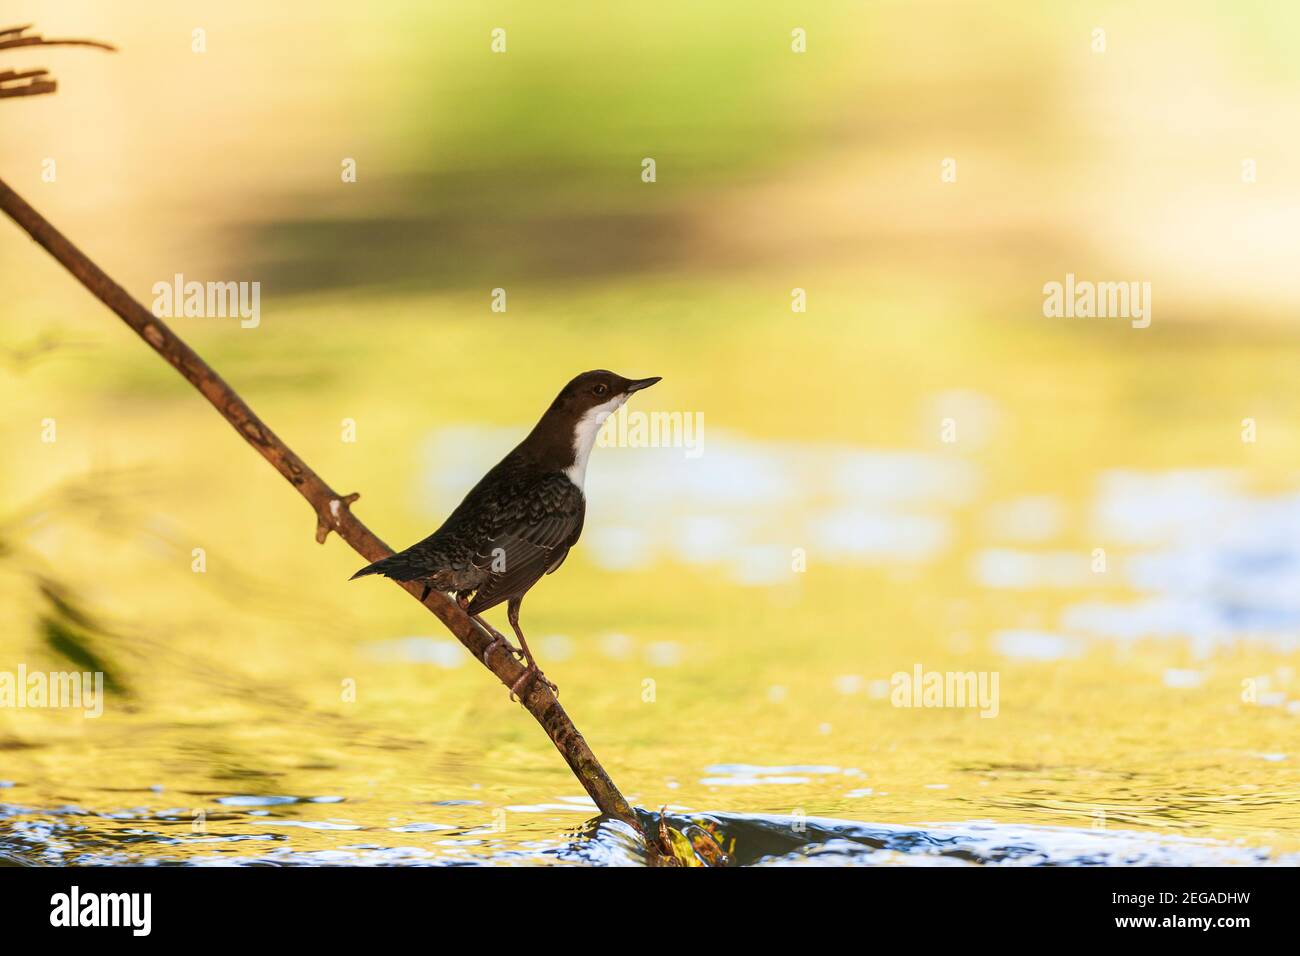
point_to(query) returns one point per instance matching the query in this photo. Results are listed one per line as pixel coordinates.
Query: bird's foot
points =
(498, 641)
(530, 674)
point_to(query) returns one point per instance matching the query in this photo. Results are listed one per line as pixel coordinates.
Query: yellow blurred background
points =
(948, 460)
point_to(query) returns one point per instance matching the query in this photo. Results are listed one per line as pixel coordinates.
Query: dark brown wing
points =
(527, 539)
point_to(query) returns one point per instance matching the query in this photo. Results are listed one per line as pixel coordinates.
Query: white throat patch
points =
(584, 437)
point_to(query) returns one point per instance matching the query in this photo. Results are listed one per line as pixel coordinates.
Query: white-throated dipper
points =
(521, 519)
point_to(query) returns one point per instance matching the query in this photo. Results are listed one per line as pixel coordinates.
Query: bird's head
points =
(571, 424)
(594, 396)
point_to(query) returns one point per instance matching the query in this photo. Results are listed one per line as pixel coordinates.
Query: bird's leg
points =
(462, 602)
(531, 672)
(498, 639)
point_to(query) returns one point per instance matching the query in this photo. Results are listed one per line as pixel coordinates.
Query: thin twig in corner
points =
(14, 36)
(37, 84)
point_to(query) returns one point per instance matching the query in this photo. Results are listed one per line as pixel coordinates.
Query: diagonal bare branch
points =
(333, 511)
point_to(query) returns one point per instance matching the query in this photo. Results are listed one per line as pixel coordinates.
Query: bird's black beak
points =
(639, 383)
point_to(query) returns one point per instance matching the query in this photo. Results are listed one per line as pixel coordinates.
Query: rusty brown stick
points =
(333, 512)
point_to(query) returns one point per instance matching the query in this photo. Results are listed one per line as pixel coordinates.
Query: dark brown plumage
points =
(519, 522)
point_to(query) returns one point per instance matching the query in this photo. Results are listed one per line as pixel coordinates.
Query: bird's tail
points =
(398, 566)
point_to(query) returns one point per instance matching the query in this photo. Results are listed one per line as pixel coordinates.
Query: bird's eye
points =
(601, 388)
